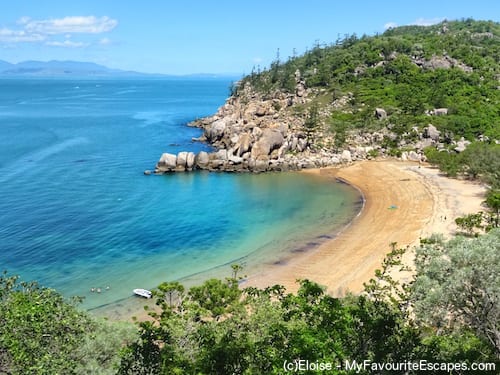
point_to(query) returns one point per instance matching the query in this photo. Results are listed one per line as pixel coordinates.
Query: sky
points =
(189, 36)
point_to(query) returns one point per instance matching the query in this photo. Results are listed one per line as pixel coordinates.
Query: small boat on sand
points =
(143, 293)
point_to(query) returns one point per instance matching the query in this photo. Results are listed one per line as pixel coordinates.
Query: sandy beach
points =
(403, 202)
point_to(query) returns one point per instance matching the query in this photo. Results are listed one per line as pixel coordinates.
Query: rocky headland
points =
(385, 96)
(256, 133)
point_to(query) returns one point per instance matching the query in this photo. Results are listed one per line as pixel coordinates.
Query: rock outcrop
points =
(252, 133)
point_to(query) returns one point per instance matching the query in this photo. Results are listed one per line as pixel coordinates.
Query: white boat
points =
(143, 293)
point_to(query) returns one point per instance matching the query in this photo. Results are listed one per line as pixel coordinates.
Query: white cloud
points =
(17, 36)
(105, 42)
(31, 30)
(67, 44)
(427, 21)
(75, 24)
(23, 20)
(390, 25)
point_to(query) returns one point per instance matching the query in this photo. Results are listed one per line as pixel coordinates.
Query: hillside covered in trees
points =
(413, 92)
(408, 71)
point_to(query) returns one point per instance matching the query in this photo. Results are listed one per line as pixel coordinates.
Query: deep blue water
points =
(76, 211)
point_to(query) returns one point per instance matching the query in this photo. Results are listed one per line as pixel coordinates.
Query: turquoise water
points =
(76, 211)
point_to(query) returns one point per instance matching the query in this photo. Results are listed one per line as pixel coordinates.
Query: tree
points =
(216, 296)
(458, 286)
(493, 202)
(43, 333)
(311, 122)
(39, 330)
(470, 222)
(171, 292)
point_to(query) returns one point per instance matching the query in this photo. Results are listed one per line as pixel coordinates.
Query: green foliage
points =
(262, 328)
(373, 153)
(311, 122)
(39, 330)
(382, 72)
(480, 160)
(42, 333)
(493, 202)
(216, 297)
(470, 222)
(462, 346)
(99, 353)
(454, 298)
(446, 161)
(458, 286)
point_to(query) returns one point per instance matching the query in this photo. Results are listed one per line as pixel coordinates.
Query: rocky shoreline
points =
(256, 133)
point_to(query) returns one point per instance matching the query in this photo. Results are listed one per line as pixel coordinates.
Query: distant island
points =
(56, 68)
(60, 68)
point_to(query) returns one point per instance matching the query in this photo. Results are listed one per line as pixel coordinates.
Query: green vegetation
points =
(449, 313)
(406, 71)
(480, 160)
(42, 333)
(458, 286)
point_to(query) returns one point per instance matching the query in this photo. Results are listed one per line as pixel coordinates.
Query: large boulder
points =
(262, 109)
(439, 111)
(217, 128)
(271, 139)
(380, 113)
(243, 144)
(413, 156)
(431, 132)
(301, 144)
(167, 163)
(190, 160)
(235, 159)
(257, 132)
(201, 160)
(461, 145)
(346, 156)
(181, 161)
(220, 155)
(261, 165)
(283, 150)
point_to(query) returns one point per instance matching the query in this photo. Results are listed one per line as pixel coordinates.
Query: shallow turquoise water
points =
(76, 211)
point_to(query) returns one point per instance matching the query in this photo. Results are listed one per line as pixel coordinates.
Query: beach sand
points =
(403, 202)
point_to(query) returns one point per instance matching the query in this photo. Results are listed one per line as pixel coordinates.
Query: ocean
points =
(77, 212)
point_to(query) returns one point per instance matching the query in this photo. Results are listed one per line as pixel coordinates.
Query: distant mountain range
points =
(60, 68)
(57, 68)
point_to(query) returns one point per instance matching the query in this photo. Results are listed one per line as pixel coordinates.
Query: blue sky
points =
(182, 37)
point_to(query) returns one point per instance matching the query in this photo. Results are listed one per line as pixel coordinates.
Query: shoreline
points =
(403, 202)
